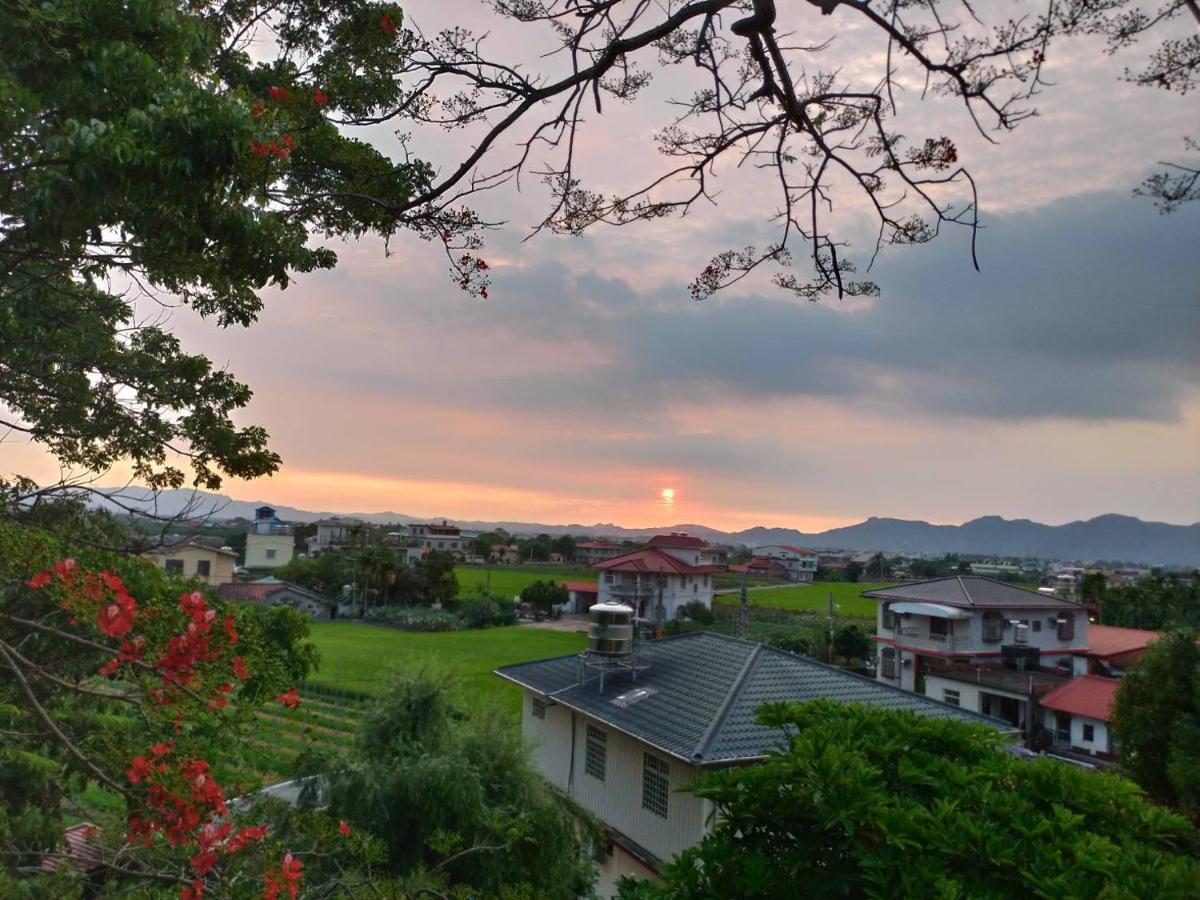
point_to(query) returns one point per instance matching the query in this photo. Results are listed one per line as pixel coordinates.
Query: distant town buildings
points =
(333, 534)
(597, 551)
(659, 579)
(799, 564)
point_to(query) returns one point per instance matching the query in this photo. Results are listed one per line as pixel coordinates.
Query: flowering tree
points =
(114, 681)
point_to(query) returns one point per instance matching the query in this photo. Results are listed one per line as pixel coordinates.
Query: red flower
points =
(116, 619)
(319, 97)
(161, 749)
(291, 699)
(388, 26)
(278, 94)
(196, 891)
(230, 630)
(109, 668)
(288, 142)
(202, 863)
(63, 567)
(138, 769)
(40, 580)
(291, 869)
(344, 829)
(239, 668)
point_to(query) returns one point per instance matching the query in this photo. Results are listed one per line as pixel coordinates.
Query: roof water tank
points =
(610, 629)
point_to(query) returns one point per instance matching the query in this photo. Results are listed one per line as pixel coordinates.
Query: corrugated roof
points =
(582, 587)
(969, 592)
(706, 690)
(1088, 695)
(651, 559)
(1108, 640)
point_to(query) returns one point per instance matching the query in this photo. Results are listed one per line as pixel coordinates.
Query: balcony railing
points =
(637, 591)
(910, 634)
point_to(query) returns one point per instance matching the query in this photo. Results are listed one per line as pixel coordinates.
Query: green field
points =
(847, 598)
(510, 580)
(357, 657)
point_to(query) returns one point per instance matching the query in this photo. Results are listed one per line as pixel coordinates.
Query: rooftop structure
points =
(969, 592)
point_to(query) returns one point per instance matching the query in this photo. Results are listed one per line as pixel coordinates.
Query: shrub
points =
(697, 612)
(414, 618)
(545, 595)
(484, 610)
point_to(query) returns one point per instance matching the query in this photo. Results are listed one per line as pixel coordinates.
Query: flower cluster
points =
(85, 594)
(286, 877)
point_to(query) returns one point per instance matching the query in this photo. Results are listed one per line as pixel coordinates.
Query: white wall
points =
(617, 800)
(678, 591)
(257, 546)
(1100, 736)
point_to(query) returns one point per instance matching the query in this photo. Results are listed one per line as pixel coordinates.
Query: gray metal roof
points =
(706, 688)
(970, 592)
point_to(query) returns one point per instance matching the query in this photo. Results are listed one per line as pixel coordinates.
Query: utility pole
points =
(743, 619)
(829, 651)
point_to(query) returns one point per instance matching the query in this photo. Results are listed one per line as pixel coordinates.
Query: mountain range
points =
(1108, 537)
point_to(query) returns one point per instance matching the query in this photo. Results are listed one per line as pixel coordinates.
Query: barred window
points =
(888, 658)
(949, 696)
(656, 784)
(539, 708)
(595, 756)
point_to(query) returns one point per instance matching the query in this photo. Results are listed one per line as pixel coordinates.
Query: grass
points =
(509, 581)
(357, 657)
(847, 598)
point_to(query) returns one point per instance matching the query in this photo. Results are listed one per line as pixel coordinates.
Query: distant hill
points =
(1108, 537)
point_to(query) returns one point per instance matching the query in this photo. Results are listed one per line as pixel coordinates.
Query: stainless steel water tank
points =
(610, 629)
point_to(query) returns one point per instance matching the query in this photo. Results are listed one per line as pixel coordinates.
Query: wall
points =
(1100, 738)
(220, 564)
(968, 694)
(968, 633)
(612, 867)
(617, 800)
(677, 591)
(257, 546)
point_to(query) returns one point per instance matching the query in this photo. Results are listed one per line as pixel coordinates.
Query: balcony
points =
(920, 638)
(632, 591)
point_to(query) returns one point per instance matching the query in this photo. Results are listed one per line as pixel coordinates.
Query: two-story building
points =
(625, 748)
(660, 578)
(269, 542)
(333, 534)
(597, 551)
(981, 644)
(799, 564)
(1078, 715)
(192, 559)
(444, 537)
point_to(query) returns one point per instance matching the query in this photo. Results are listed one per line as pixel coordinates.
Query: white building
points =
(444, 537)
(625, 753)
(660, 578)
(1078, 716)
(800, 564)
(332, 534)
(269, 543)
(212, 565)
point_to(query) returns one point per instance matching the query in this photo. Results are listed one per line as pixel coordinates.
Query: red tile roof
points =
(791, 547)
(678, 541)
(1089, 695)
(249, 590)
(1107, 640)
(582, 587)
(651, 559)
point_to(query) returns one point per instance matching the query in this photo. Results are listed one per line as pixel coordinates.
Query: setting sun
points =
(668, 495)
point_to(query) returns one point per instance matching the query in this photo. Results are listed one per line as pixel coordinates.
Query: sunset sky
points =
(1061, 382)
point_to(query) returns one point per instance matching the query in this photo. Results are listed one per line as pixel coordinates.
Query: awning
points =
(929, 609)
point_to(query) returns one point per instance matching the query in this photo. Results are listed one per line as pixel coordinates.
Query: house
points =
(273, 592)
(660, 578)
(269, 542)
(760, 567)
(583, 595)
(800, 564)
(989, 646)
(1112, 650)
(1078, 716)
(506, 554)
(444, 537)
(596, 551)
(332, 534)
(693, 549)
(212, 565)
(625, 748)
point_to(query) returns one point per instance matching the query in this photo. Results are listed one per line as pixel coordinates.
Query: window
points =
(656, 784)
(695, 588)
(888, 658)
(1062, 727)
(993, 627)
(1037, 624)
(539, 708)
(595, 756)
(203, 568)
(174, 565)
(608, 577)
(889, 618)
(1066, 627)
(270, 553)
(938, 626)
(949, 696)
(1089, 732)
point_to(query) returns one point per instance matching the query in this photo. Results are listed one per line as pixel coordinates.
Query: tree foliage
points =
(544, 595)
(1156, 719)
(150, 160)
(455, 798)
(1155, 603)
(864, 802)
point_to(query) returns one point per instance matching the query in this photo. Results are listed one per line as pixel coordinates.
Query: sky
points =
(1059, 383)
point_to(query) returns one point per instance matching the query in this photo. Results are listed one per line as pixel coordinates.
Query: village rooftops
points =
(697, 695)
(1089, 696)
(653, 560)
(1106, 641)
(183, 545)
(969, 592)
